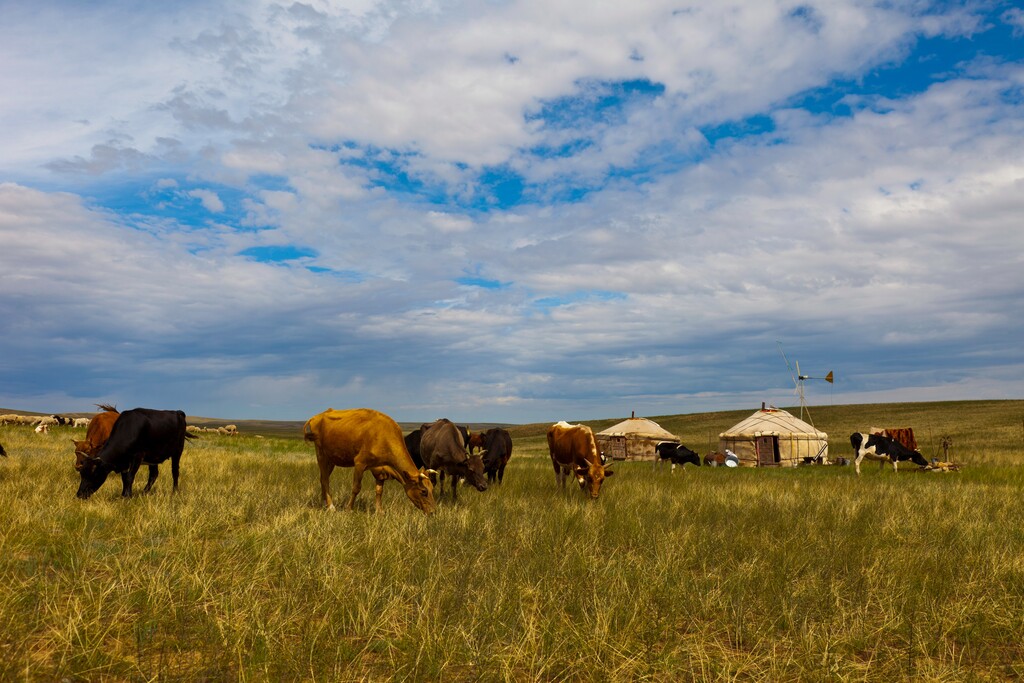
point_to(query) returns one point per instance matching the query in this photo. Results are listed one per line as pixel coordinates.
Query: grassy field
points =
(708, 574)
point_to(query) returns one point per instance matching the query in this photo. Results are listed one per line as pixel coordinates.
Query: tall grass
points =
(707, 574)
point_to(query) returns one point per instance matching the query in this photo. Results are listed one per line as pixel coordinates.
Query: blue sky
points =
(508, 212)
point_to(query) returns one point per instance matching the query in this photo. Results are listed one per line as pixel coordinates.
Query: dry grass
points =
(708, 574)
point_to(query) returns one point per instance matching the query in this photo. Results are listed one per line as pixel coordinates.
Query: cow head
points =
(590, 478)
(475, 473)
(83, 450)
(94, 472)
(919, 459)
(421, 492)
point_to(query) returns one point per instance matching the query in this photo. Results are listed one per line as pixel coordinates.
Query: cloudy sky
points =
(508, 210)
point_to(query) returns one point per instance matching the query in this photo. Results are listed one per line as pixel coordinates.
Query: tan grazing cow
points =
(365, 439)
(573, 449)
(96, 434)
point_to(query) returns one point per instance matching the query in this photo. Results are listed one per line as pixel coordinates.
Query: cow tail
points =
(307, 432)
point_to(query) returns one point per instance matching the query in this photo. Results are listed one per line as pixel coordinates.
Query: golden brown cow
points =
(366, 440)
(96, 434)
(572, 448)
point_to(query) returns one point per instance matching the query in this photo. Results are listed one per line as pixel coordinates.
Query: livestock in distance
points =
(884, 449)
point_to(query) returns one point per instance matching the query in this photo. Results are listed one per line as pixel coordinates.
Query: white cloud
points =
(209, 199)
(886, 237)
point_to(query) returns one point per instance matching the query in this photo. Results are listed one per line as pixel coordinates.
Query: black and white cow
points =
(138, 436)
(882, 448)
(677, 453)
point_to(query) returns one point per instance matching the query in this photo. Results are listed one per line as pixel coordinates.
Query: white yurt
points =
(773, 437)
(632, 439)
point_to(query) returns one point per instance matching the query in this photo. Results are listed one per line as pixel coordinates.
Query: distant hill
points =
(1000, 421)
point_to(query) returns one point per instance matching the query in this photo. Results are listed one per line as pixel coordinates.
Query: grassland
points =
(708, 574)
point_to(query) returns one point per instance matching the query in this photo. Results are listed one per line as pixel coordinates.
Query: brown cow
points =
(366, 440)
(96, 434)
(443, 448)
(572, 448)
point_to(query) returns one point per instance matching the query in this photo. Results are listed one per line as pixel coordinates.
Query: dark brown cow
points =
(573, 449)
(497, 451)
(96, 434)
(366, 440)
(443, 448)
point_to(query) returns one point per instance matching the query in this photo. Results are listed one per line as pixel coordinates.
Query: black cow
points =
(139, 436)
(882, 448)
(677, 453)
(443, 448)
(412, 443)
(497, 450)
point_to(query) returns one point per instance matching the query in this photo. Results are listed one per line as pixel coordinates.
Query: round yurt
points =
(773, 438)
(632, 439)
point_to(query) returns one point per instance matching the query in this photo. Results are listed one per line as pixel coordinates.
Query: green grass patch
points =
(707, 574)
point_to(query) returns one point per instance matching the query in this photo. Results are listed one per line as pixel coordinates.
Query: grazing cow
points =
(96, 434)
(42, 428)
(676, 453)
(81, 422)
(573, 449)
(140, 435)
(365, 439)
(884, 449)
(497, 450)
(443, 448)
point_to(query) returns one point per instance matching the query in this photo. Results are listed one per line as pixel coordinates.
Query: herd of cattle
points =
(365, 439)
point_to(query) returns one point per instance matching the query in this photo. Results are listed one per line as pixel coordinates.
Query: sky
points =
(509, 210)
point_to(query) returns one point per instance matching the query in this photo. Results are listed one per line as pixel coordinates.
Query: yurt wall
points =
(773, 437)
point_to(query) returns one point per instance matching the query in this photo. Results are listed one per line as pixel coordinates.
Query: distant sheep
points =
(229, 430)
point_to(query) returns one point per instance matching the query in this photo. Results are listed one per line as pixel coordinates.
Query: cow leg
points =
(128, 478)
(856, 462)
(894, 463)
(153, 472)
(326, 468)
(378, 490)
(357, 485)
(126, 483)
(455, 487)
(501, 474)
(175, 462)
(673, 470)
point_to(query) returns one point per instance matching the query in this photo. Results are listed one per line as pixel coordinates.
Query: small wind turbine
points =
(798, 382)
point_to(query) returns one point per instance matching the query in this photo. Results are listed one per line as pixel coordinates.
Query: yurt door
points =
(615, 448)
(767, 450)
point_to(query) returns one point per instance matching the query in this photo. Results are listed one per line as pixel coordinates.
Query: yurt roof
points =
(639, 427)
(772, 421)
